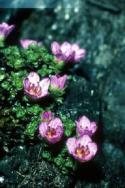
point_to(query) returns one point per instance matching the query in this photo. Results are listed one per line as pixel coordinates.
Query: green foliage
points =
(13, 57)
(32, 58)
(32, 127)
(17, 79)
(64, 162)
(2, 74)
(62, 158)
(69, 126)
(19, 109)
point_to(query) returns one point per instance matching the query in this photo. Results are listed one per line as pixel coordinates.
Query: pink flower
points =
(67, 52)
(84, 126)
(58, 82)
(25, 43)
(52, 131)
(47, 116)
(34, 87)
(83, 149)
(5, 30)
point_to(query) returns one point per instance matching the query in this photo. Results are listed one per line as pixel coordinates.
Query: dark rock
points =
(114, 116)
(82, 98)
(114, 7)
(111, 156)
(27, 169)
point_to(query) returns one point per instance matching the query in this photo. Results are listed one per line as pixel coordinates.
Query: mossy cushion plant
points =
(33, 84)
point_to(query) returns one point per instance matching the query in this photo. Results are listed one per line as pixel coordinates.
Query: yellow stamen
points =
(51, 133)
(82, 151)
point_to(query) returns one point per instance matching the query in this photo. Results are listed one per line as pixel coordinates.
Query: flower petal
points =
(75, 47)
(71, 144)
(43, 128)
(5, 29)
(84, 140)
(33, 77)
(56, 122)
(47, 116)
(93, 150)
(66, 48)
(26, 84)
(44, 84)
(62, 81)
(54, 81)
(93, 127)
(80, 54)
(55, 47)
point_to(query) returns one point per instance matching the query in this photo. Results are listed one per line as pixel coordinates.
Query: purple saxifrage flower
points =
(5, 30)
(85, 126)
(25, 43)
(35, 87)
(52, 131)
(67, 52)
(58, 82)
(47, 116)
(82, 149)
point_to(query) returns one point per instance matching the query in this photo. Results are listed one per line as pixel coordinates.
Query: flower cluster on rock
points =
(36, 88)
(45, 79)
(82, 147)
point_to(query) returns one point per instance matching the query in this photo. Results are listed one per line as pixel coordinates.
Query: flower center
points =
(82, 151)
(51, 132)
(35, 90)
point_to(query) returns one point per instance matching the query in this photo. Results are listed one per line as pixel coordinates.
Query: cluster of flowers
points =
(80, 147)
(65, 52)
(37, 89)
(51, 128)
